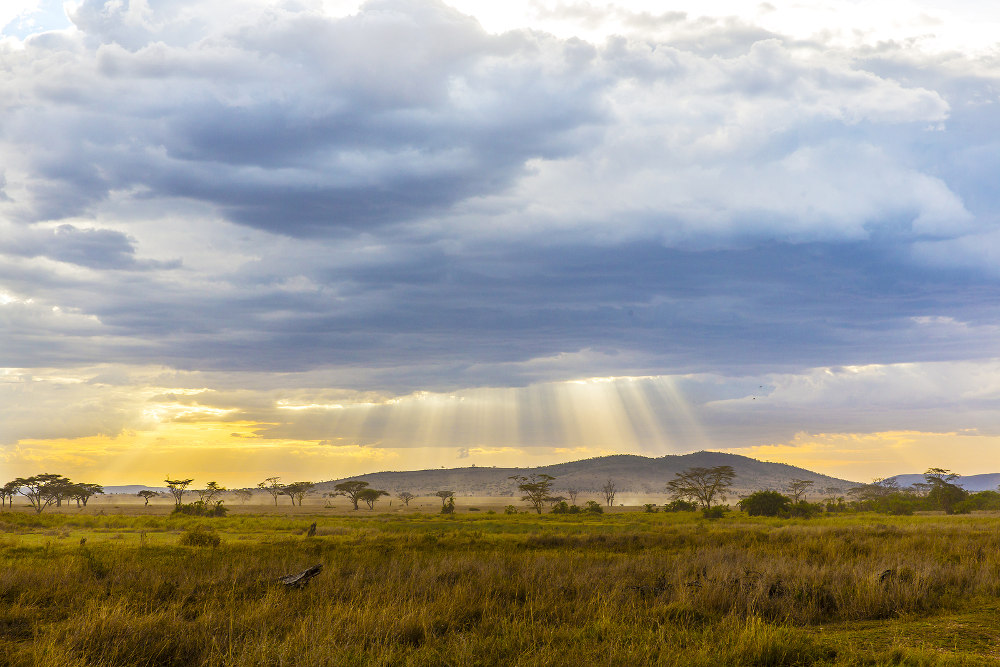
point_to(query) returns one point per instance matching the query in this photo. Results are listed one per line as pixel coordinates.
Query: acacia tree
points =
(943, 492)
(536, 489)
(702, 484)
(244, 495)
(573, 493)
(351, 488)
(146, 494)
(797, 488)
(82, 492)
(406, 497)
(371, 496)
(209, 493)
(8, 490)
(177, 488)
(272, 486)
(609, 489)
(298, 491)
(41, 490)
(444, 496)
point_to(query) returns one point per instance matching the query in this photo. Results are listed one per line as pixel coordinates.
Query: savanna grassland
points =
(628, 588)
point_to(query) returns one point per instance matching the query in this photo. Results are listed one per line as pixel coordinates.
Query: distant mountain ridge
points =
(974, 483)
(631, 473)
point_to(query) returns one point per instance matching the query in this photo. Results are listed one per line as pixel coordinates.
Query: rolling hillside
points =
(633, 475)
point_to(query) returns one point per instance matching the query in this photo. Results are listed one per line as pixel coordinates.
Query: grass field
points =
(627, 588)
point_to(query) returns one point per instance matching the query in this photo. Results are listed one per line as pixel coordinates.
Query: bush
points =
(593, 507)
(561, 507)
(575, 509)
(650, 508)
(765, 503)
(805, 509)
(200, 536)
(716, 512)
(680, 506)
(198, 508)
(448, 507)
(964, 506)
(510, 509)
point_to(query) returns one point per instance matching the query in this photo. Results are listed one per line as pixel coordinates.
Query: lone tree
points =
(351, 488)
(609, 489)
(444, 496)
(41, 490)
(406, 497)
(177, 488)
(537, 489)
(573, 492)
(298, 491)
(798, 488)
(244, 495)
(272, 486)
(371, 496)
(943, 492)
(146, 494)
(702, 484)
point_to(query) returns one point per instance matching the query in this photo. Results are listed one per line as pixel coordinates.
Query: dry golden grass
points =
(479, 589)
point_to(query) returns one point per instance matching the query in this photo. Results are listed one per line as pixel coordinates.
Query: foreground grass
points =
(625, 589)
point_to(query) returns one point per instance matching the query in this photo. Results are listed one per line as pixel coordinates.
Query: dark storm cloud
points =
(411, 202)
(297, 123)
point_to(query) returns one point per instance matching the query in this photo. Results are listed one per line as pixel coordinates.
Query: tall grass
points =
(617, 590)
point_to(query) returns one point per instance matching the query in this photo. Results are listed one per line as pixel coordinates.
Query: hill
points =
(972, 483)
(633, 475)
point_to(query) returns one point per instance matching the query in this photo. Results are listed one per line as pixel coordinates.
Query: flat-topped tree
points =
(444, 496)
(82, 492)
(42, 490)
(298, 491)
(273, 486)
(371, 496)
(406, 497)
(146, 494)
(702, 484)
(536, 489)
(8, 491)
(177, 488)
(351, 488)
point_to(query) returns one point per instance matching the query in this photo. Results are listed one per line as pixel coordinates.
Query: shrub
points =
(575, 509)
(805, 509)
(448, 507)
(561, 507)
(765, 503)
(716, 512)
(964, 506)
(200, 536)
(510, 509)
(680, 506)
(199, 508)
(650, 508)
(593, 507)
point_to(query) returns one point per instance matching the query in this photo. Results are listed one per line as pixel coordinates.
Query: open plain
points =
(120, 584)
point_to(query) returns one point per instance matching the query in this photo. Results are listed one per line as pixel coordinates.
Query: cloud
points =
(396, 201)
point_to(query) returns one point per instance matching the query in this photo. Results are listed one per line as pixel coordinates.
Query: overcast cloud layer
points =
(263, 200)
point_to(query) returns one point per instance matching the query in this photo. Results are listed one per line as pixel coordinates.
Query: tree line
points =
(693, 489)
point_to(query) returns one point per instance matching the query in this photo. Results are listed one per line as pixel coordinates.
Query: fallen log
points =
(302, 578)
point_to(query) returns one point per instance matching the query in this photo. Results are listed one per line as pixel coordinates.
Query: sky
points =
(312, 239)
